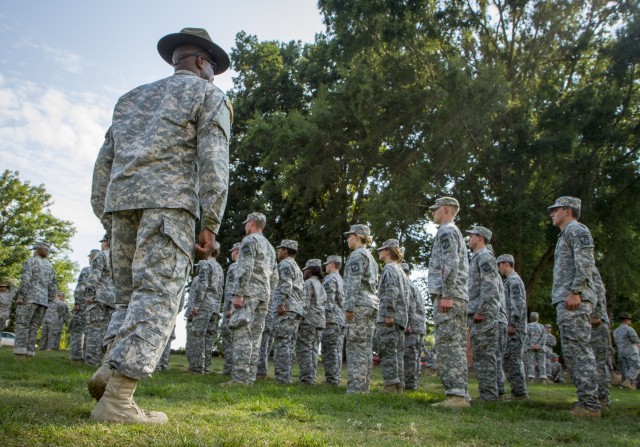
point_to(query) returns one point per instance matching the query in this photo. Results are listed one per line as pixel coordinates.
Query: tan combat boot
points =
(399, 388)
(582, 412)
(117, 404)
(389, 389)
(99, 380)
(453, 402)
(627, 383)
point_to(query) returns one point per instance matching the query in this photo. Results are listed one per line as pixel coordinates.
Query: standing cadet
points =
(288, 301)
(77, 325)
(484, 312)
(574, 298)
(194, 289)
(38, 287)
(627, 342)
(536, 354)
(205, 312)
(448, 273)
(6, 300)
(333, 334)
(516, 305)
(361, 308)
(62, 310)
(413, 334)
(601, 339)
(164, 165)
(49, 322)
(101, 296)
(256, 276)
(267, 341)
(392, 319)
(313, 322)
(549, 343)
(227, 338)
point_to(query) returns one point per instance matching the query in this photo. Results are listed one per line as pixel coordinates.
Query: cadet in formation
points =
(333, 334)
(448, 273)
(101, 296)
(312, 323)
(601, 340)
(55, 317)
(393, 318)
(413, 334)
(225, 331)
(361, 308)
(516, 306)
(288, 297)
(151, 205)
(484, 312)
(537, 337)
(77, 325)
(575, 299)
(267, 340)
(256, 276)
(38, 288)
(627, 342)
(549, 344)
(7, 294)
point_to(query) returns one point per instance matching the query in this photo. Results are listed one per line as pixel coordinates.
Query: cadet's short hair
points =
(575, 212)
(290, 251)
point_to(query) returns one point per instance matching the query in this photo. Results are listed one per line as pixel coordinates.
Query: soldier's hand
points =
(408, 331)
(89, 301)
(76, 307)
(280, 309)
(445, 304)
(511, 330)
(194, 312)
(349, 315)
(595, 322)
(205, 243)
(388, 321)
(237, 301)
(228, 314)
(572, 302)
(478, 318)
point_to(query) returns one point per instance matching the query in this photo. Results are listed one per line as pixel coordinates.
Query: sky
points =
(64, 64)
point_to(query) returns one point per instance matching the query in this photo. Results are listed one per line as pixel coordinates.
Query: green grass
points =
(43, 402)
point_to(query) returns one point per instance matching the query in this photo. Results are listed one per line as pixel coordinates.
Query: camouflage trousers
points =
(307, 345)
(5, 311)
(227, 346)
(575, 333)
(332, 344)
(202, 333)
(513, 364)
(47, 336)
(151, 256)
(537, 359)
(76, 334)
(359, 348)
(28, 320)
(412, 344)
(600, 344)
(97, 321)
(265, 347)
(554, 372)
(629, 365)
(451, 346)
(484, 348)
(502, 346)
(390, 341)
(284, 335)
(163, 363)
(246, 341)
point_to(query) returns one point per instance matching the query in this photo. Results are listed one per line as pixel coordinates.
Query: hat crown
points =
(360, 230)
(199, 32)
(334, 258)
(390, 243)
(483, 231)
(289, 243)
(505, 258)
(567, 201)
(445, 201)
(313, 263)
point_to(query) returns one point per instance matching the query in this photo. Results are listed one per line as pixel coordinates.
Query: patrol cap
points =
(505, 258)
(4, 283)
(624, 316)
(548, 326)
(236, 246)
(405, 267)
(442, 201)
(482, 231)
(390, 243)
(59, 293)
(566, 201)
(313, 263)
(288, 243)
(258, 217)
(333, 258)
(41, 244)
(359, 229)
(94, 252)
(194, 36)
(106, 237)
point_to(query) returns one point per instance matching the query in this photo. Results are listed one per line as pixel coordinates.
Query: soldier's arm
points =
(285, 284)
(53, 285)
(244, 266)
(388, 290)
(582, 246)
(101, 178)
(93, 277)
(203, 279)
(489, 278)
(275, 277)
(331, 289)
(25, 279)
(354, 274)
(633, 336)
(308, 295)
(450, 262)
(518, 303)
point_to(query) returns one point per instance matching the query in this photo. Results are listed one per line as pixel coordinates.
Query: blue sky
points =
(63, 65)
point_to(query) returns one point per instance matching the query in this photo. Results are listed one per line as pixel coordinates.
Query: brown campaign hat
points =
(194, 36)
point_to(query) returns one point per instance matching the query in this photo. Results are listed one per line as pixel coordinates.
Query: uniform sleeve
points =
(582, 246)
(79, 290)
(101, 178)
(412, 303)
(633, 336)
(53, 285)
(601, 294)
(204, 276)
(218, 285)
(331, 289)
(245, 265)
(517, 302)
(275, 277)
(308, 296)
(25, 279)
(354, 274)
(93, 277)
(489, 289)
(388, 291)
(450, 261)
(284, 289)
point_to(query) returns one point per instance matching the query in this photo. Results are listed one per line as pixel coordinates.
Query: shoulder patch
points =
(446, 243)
(286, 270)
(355, 267)
(486, 267)
(585, 239)
(246, 249)
(515, 290)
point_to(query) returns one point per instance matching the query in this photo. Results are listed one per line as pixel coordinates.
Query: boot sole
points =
(96, 388)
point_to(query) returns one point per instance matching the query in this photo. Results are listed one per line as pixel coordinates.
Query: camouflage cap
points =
(359, 229)
(333, 258)
(624, 316)
(258, 217)
(106, 237)
(405, 267)
(59, 293)
(566, 201)
(390, 243)
(236, 246)
(41, 244)
(313, 263)
(94, 252)
(505, 258)
(442, 201)
(547, 326)
(482, 231)
(288, 243)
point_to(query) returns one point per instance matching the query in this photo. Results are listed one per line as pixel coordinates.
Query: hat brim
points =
(170, 42)
(555, 205)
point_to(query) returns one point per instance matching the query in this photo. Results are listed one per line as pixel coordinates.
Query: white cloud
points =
(67, 60)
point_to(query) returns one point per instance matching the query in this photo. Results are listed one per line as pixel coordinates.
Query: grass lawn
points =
(44, 402)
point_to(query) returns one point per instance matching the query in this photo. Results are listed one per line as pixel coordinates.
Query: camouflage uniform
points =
(193, 292)
(267, 340)
(62, 311)
(38, 287)
(310, 329)
(6, 300)
(49, 321)
(536, 335)
(333, 334)
(448, 273)
(288, 293)
(78, 317)
(101, 291)
(516, 305)
(549, 344)
(627, 342)
(413, 337)
(256, 276)
(601, 339)
(165, 160)
(503, 322)
(227, 337)
(573, 271)
(204, 325)
(484, 299)
(393, 295)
